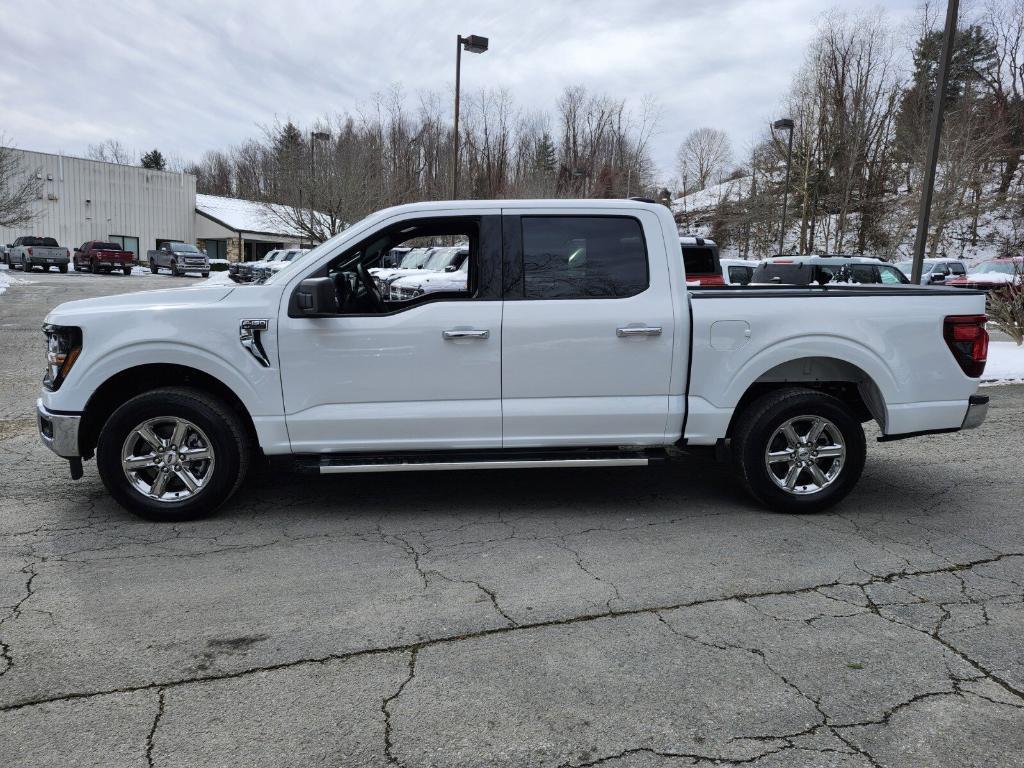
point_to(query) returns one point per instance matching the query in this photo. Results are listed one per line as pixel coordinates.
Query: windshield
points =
(183, 248)
(416, 258)
(999, 267)
(107, 247)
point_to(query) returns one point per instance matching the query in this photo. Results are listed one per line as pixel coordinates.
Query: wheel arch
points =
(832, 375)
(135, 380)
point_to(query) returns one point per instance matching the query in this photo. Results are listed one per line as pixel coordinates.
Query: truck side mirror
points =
(315, 297)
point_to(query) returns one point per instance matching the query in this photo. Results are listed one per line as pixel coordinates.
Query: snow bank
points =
(1005, 364)
(7, 279)
(219, 278)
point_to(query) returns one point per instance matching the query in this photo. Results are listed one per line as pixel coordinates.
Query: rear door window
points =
(699, 260)
(583, 257)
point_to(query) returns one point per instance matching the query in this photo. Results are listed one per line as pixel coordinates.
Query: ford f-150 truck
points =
(30, 252)
(573, 342)
(100, 256)
(179, 258)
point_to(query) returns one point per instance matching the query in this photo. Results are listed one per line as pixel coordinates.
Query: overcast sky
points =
(187, 75)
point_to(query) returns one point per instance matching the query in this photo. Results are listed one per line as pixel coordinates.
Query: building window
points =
(217, 249)
(127, 243)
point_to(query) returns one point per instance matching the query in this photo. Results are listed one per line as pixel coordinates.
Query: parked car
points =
(101, 256)
(825, 270)
(27, 253)
(934, 270)
(241, 271)
(455, 277)
(412, 262)
(700, 258)
(261, 270)
(179, 258)
(993, 274)
(4, 249)
(575, 343)
(738, 271)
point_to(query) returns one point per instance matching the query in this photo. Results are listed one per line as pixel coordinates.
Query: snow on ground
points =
(1005, 364)
(7, 279)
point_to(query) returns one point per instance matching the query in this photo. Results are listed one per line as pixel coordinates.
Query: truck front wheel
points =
(798, 450)
(173, 454)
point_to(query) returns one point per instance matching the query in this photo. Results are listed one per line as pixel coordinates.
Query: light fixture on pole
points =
(928, 182)
(314, 137)
(785, 124)
(473, 44)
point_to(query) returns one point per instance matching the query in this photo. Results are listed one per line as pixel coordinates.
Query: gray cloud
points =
(187, 75)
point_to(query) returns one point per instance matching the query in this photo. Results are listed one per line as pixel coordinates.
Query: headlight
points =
(63, 345)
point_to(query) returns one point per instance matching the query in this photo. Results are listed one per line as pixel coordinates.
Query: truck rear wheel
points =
(173, 454)
(153, 268)
(798, 450)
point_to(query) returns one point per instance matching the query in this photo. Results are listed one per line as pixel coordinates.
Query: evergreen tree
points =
(154, 160)
(544, 156)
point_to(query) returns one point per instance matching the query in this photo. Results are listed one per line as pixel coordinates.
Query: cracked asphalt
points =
(625, 618)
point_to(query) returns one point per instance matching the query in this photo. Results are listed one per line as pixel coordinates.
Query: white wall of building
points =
(92, 200)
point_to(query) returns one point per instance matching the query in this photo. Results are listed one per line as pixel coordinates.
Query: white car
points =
(738, 271)
(935, 270)
(262, 270)
(414, 286)
(574, 343)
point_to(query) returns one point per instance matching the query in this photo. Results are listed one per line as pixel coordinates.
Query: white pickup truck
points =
(574, 342)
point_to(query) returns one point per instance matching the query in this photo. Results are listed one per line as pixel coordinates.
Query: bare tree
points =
(111, 151)
(19, 188)
(703, 155)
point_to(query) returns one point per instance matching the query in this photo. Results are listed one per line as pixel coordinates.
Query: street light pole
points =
(473, 44)
(928, 182)
(785, 124)
(314, 137)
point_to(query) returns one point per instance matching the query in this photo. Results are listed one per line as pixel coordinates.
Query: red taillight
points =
(968, 341)
(30, 251)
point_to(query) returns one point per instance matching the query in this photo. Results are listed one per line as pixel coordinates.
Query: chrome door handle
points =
(466, 334)
(631, 330)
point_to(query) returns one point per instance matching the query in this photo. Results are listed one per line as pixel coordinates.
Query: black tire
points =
(174, 269)
(154, 268)
(92, 267)
(63, 269)
(228, 439)
(755, 431)
(205, 274)
(127, 271)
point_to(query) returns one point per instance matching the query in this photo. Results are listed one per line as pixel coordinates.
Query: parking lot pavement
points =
(635, 617)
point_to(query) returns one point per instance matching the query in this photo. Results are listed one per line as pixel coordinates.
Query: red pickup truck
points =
(99, 256)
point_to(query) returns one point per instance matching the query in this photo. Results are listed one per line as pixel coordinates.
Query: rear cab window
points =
(583, 257)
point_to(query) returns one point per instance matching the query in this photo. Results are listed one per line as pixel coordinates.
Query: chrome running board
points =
(434, 465)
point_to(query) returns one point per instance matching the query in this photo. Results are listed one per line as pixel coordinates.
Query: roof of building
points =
(248, 215)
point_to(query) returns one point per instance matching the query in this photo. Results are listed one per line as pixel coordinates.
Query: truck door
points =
(587, 330)
(409, 371)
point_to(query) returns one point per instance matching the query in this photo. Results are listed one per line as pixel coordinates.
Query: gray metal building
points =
(84, 200)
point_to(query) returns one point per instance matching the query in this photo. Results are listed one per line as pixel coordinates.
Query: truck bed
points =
(887, 341)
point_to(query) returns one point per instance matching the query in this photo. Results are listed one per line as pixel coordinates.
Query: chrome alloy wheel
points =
(805, 455)
(168, 459)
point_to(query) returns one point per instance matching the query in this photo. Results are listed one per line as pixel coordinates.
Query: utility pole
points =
(938, 110)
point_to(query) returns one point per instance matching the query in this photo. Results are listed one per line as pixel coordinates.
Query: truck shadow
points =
(693, 483)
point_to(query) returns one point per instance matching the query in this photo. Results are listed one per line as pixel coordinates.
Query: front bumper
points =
(977, 410)
(58, 431)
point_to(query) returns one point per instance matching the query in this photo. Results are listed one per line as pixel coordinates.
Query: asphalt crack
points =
(568, 621)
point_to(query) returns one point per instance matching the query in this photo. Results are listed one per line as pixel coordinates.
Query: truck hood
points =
(196, 296)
